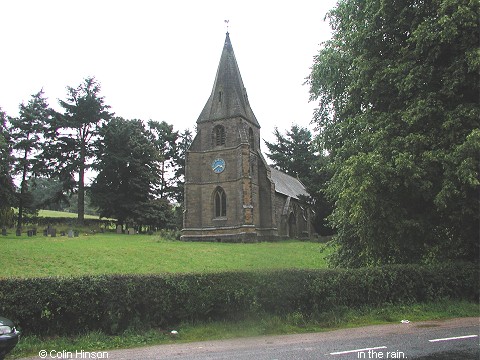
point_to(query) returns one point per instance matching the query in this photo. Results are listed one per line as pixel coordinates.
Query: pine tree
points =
(7, 189)
(72, 136)
(26, 134)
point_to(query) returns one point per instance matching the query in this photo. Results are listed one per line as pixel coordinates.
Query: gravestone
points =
(18, 232)
(119, 229)
(4, 231)
(53, 232)
(70, 233)
(29, 233)
(131, 231)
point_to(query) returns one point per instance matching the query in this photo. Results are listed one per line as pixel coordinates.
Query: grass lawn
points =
(110, 253)
(62, 214)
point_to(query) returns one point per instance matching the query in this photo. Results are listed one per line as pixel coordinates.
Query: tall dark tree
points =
(73, 134)
(293, 153)
(316, 185)
(182, 145)
(26, 133)
(48, 194)
(128, 171)
(398, 111)
(155, 214)
(164, 139)
(7, 189)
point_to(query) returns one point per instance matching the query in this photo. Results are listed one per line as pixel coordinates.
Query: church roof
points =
(229, 97)
(287, 185)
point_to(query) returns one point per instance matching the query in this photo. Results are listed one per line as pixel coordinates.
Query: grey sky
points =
(157, 59)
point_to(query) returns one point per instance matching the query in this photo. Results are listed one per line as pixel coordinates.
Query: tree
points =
(7, 189)
(26, 134)
(48, 194)
(398, 112)
(155, 213)
(182, 145)
(164, 139)
(316, 186)
(293, 153)
(73, 134)
(127, 168)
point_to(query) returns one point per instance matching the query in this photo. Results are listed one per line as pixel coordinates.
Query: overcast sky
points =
(158, 59)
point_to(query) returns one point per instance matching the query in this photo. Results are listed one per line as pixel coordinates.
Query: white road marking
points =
(454, 338)
(357, 350)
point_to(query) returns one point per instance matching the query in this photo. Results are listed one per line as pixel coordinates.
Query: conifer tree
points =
(72, 135)
(7, 189)
(26, 134)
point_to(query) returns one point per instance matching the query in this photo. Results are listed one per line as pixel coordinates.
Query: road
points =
(429, 340)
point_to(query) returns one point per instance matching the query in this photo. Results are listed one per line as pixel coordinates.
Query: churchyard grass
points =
(110, 253)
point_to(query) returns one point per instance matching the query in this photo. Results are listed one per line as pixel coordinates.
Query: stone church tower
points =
(230, 194)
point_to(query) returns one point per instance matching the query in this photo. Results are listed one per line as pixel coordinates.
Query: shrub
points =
(113, 303)
(169, 234)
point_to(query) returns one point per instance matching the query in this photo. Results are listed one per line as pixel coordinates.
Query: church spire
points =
(229, 97)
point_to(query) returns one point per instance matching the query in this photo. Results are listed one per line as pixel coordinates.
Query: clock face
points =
(218, 165)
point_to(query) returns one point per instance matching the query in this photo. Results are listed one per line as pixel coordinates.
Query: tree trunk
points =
(81, 196)
(20, 206)
(23, 188)
(81, 187)
(162, 184)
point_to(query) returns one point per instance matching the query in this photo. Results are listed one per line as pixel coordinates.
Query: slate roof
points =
(287, 185)
(229, 97)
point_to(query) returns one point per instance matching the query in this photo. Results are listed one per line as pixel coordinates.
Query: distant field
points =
(143, 254)
(57, 214)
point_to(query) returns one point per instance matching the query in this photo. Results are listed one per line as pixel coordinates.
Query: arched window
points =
(220, 202)
(218, 135)
(251, 139)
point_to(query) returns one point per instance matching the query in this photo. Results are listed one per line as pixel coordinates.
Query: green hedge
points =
(55, 305)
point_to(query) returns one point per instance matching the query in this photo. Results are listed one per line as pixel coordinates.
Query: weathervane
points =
(226, 22)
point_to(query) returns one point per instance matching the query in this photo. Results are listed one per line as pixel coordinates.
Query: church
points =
(231, 193)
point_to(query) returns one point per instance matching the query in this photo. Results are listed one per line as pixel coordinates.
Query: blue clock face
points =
(218, 165)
